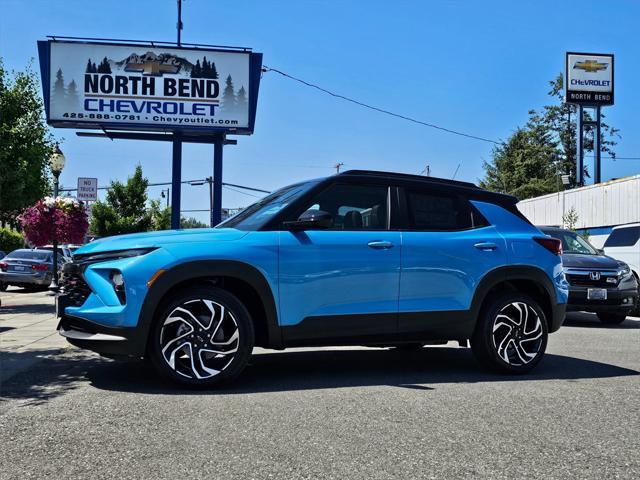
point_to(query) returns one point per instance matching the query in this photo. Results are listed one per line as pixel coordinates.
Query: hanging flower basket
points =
(63, 219)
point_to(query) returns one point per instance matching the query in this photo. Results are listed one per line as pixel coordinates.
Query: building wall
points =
(599, 207)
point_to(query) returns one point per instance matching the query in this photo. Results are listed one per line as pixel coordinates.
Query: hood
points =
(159, 238)
(573, 260)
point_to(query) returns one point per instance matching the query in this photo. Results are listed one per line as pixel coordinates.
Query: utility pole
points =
(179, 25)
(337, 167)
(166, 195)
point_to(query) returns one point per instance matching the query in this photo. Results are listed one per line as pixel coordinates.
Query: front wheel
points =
(611, 318)
(511, 334)
(204, 337)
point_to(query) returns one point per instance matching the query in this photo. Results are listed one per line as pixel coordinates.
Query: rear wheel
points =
(203, 338)
(611, 318)
(511, 334)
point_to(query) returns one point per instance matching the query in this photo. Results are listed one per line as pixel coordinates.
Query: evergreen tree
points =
(58, 86)
(72, 94)
(228, 97)
(214, 71)
(91, 67)
(104, 66)
(241, 99)
(196, 71)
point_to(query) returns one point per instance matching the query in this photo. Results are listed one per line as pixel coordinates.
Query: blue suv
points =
(359, 258)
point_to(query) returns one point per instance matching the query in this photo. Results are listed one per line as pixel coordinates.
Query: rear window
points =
(623, 237)
(29, 255)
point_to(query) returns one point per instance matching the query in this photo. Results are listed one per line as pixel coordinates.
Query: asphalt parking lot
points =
(329, 413)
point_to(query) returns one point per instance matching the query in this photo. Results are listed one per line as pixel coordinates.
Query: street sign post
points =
(87, 189)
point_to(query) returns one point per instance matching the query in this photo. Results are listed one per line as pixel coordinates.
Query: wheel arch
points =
(243, 280)
(521, 278)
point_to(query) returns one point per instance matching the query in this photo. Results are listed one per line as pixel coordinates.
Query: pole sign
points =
(589, 79)
(145, 87)
(87, 189)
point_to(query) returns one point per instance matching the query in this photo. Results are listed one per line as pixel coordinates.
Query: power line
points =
(240, 191)
(378, 109)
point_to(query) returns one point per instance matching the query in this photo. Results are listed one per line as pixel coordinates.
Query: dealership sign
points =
(145, 87)
(589, 79)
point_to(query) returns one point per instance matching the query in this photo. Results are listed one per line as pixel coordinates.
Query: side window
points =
(623, 237)
(354, 207)
(440, 211)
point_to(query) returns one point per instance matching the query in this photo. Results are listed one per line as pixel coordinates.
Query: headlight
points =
(624, 271)
(112, 255)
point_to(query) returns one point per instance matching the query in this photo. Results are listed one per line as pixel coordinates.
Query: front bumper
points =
(617, 300)
(115, 342)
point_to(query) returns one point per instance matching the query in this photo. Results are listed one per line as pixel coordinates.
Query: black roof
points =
(408, 176)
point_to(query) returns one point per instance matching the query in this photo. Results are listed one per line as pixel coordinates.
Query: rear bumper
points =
(25, 278)
(617, 300)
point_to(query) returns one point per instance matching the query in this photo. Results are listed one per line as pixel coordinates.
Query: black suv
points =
(598, 283)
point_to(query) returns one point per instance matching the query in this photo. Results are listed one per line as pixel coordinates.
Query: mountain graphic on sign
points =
(151, 63)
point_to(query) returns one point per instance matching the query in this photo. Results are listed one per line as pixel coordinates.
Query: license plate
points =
(19, 268)
(596, 294)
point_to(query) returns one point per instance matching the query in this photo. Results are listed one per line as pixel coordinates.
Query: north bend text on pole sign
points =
(149, 87)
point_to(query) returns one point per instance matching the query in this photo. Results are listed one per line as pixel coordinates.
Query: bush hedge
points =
(10, 240)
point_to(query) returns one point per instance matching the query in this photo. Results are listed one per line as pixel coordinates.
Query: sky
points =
(477, 67)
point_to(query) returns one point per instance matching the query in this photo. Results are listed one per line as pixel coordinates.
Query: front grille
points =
(586, 281)
(73, 284)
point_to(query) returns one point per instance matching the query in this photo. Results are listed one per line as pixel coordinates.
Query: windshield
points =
(258, 214)
(572, 242)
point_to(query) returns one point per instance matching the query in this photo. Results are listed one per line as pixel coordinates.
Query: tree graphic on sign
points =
(228, 96)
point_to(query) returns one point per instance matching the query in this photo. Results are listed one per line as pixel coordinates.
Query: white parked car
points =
(624, 244)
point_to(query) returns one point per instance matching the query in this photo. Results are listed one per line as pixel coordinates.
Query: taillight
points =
(40, 266)
(3, 266)
(552, 244)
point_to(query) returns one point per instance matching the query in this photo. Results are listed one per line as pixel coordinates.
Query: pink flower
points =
(61, 219)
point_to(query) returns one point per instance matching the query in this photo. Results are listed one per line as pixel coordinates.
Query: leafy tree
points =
(190, 222)
(160, 217)
(25, 144)
(125, 209)
(228, 97)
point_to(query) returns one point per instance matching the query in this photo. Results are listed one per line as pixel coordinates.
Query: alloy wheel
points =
(199, 339)
(517, 333)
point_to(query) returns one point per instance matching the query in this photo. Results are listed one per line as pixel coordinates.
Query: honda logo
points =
(594, 275)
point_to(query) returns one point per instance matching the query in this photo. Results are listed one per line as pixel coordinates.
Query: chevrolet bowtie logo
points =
(152, 66)
(591, 66)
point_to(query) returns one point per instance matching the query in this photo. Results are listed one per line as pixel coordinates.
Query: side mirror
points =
(311, 219)
(600, 251)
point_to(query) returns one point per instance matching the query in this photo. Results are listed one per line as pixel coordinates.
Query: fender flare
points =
(208, 268)
(515, 272)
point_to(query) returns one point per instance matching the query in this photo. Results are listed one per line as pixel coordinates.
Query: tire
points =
(3, 287)
(511, 334)
(611, 318)
(203, 338)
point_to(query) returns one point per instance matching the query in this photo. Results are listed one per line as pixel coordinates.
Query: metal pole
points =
(179, 21)
(54, 280)
(211, 219)
(176, 178)
(580, 152)
(216, 213)
(598, 166)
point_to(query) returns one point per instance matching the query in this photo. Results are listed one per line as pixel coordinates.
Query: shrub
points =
(10, 240)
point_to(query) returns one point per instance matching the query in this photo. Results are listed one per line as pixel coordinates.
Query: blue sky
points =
(472, 66)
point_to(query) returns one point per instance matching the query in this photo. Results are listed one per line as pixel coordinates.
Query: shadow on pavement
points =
(29, 308)
(304, 370)
(590, 320)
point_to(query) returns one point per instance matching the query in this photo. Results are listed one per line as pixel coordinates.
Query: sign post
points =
(151, 91)
(589, 82)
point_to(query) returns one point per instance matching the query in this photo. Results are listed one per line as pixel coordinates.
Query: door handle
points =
(380, 244)
(485, 246)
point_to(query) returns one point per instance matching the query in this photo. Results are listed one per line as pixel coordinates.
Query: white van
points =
(624, 244)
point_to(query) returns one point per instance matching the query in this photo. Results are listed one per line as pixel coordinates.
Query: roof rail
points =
(408, 176)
